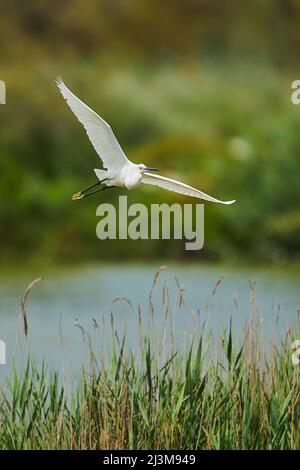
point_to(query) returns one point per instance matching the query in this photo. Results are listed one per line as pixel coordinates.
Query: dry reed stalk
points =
(217, 284)
(23, 303)
(122, 298)
(180, 300)
(151, 307)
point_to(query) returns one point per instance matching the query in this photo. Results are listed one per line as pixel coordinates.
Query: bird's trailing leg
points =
(81, 194)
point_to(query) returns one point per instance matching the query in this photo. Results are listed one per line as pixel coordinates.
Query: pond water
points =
(70, 308)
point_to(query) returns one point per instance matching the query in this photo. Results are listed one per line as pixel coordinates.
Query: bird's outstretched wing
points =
(178, 187)
(98, 131)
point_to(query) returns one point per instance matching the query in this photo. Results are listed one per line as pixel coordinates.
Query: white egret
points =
(118, 170)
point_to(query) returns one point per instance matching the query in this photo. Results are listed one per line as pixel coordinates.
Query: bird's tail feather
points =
(101, 174)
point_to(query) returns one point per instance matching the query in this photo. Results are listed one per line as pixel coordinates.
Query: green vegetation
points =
(210, 105)
(201, 90)
(240, 394)
(244, 404)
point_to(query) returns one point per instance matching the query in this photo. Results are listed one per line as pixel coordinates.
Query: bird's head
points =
(143, 168)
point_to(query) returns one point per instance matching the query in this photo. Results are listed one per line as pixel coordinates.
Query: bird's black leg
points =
(97, 191)
(80, 194)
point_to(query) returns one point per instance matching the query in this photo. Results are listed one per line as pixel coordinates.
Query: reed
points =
(240, 398)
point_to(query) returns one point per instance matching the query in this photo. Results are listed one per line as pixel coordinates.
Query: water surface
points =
(83, 296)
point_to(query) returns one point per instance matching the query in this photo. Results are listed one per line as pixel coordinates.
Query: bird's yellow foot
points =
(77, 196)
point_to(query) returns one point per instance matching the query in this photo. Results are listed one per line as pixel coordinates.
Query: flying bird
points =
(118, 170)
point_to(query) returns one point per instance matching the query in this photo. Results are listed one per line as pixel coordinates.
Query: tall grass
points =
(241, 397)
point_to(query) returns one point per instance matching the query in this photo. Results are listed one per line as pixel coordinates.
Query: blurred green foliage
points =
(197, 88)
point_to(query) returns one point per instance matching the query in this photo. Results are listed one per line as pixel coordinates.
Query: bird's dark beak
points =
(148, 168)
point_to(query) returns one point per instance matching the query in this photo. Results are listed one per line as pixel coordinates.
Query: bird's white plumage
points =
(120, 170)
(178, 187)
(98, 131)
